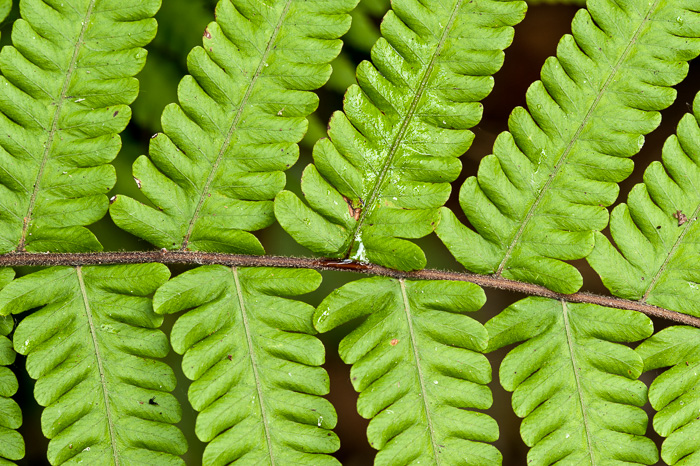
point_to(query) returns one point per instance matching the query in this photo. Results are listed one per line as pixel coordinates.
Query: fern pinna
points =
(581, 367)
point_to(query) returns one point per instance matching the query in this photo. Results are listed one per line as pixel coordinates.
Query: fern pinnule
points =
(673, 394)
(386, 167)
(64, 93)
(539, 198)
(212, 175)
(11, 442)
(92, 346)
(360, 38)
(416, 362)
(254, 363)
(574, 382)
(657, 231)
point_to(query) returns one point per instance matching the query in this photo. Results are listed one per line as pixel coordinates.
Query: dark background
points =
(180, 27)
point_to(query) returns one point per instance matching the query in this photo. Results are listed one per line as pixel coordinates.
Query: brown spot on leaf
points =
(116, 113)
(680, 216)
(207, 34)
(394, 342)
(354, 211)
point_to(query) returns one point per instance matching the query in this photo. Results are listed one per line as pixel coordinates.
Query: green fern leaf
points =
(573, 382)
(657, 230)
(91, 346)
(417, 365)
(674, 393)
(538, 199)
(257, 384)
(386, 168)
(64, 97)
(5, 8)
(11, 442)
(213, 174)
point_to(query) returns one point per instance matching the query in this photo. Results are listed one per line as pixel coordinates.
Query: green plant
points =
(215, 174)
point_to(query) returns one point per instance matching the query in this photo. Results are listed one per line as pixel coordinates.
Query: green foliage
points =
(657, 230)
(11, 442)
(539, 198)
(386, 167)
(257, 383)
(5, 8)
(213, 174)
(417, 365)
(674, 393)
(64, 94)
(92, 345)
(216, 174)
(573, 382)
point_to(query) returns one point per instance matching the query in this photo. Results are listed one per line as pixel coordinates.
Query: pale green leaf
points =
(538, 200)
(674, 393)
(11, 442)
(657, 231)
(212, 175)
(65, 88)
(573, 381)
(254, 363)
(5, 8)
(417, 365)
(386, 167)
(92, 346)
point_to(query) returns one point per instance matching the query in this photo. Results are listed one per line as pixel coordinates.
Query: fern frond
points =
(5, 9)
(254, 362)
(417, 365)
(657, 231)
(674, 393)
(92, 347)
(573, 382)
(64, 94)
(11, 442)
(386, 168)
(213, 174)
(538, 199)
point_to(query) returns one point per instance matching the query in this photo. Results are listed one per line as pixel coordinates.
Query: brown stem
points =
(205, 258)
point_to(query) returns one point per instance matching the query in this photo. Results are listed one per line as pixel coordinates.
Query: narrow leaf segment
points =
(64, 93)
(418, 366)
(92, 346)
(657, 231)
(573, 381)
(212, 175)
(539, 198)
(386, 167)
(254, 363)
(674, 393)
(11, 442)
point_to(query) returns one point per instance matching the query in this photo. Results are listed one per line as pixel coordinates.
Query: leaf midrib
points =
(579, 386)
(234, 125)
(393, 149)
(419, 370)
(54, 127)
(98, 358)
(574, 139)
(254, 364)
